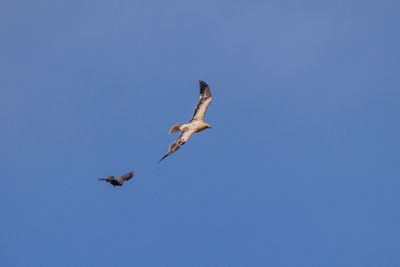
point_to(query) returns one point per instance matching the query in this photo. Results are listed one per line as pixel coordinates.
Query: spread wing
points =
(203, 103)
(182, 139)
(125, 177)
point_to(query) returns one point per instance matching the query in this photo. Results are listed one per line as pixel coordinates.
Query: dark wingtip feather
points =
(204, 88)
(166, 155)
(202, 84)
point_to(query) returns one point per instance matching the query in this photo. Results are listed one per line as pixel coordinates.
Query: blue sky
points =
(300, 168)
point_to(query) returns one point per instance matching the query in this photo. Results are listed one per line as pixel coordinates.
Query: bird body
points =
(116, 183)
(195, 125)
(119, 181)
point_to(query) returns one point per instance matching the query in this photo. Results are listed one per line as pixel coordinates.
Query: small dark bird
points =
(119, 180)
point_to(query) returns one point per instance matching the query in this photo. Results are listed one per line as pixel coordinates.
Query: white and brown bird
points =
(119, 181)
(195, 125)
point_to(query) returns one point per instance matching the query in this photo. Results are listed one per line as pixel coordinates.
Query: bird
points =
(195, 125)
(119, 180)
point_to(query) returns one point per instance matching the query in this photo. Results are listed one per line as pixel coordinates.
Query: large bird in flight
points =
(119, 180)
(195, 125)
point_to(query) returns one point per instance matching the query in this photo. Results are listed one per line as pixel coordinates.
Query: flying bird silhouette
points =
(195, 125)
(119, 180)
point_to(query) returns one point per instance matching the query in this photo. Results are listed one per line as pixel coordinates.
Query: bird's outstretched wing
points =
(182, 139)
(125, 177)
(203, 103)
(108, 179)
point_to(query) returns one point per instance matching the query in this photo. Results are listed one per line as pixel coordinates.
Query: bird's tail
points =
(175, 128)
(101, 179)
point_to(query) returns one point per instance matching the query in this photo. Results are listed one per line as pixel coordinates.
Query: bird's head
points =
(208, 126)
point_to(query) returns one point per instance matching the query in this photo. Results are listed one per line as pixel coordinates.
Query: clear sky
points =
(301, 166)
